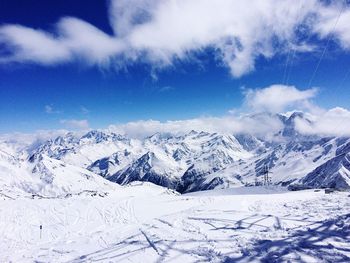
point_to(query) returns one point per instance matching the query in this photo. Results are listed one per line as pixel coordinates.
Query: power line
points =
(343, 80)
(340, 122)
(286, 71)
(290, 68)
(326, 47)
(286, 67)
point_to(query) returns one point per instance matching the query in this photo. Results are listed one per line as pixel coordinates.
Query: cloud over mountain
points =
(258, 116)
(278, 98)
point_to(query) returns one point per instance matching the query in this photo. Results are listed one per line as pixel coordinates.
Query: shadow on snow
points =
(326, 241)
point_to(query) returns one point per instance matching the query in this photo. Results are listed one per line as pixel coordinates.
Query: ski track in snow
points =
(138, 225)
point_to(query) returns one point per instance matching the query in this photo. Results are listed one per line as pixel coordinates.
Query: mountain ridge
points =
(201, 160)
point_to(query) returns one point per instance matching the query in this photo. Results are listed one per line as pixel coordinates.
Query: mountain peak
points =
(96, 135)
(296, 114)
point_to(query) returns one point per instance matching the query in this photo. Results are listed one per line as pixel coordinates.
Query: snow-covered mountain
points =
(45, 176)
(192, 161)
(333, 173)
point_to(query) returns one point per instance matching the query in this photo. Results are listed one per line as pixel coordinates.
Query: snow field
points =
(147, 223)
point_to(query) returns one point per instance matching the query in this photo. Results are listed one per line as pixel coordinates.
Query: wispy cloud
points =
(49, 109)
(84, 110)
(160, 32)
(162, 89)
(75, 124)
(166, 88)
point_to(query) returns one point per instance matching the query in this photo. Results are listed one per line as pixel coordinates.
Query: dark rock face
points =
(101, 165)
(335, 173)
(142, 170)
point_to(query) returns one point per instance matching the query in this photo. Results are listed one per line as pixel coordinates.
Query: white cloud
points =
(74, 39)
(88, 42)
(76, 124)
(278, 98)
(333, 122)
(334, 20)
(160, 32)
(28, 44)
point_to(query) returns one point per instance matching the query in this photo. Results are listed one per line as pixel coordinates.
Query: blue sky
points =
(36, 95)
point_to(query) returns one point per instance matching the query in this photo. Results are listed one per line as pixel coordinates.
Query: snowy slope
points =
(60, 178)
(15, 179)
(147, 168)
(335, 173)
(289, 162)
(146, 223)
(46, 177)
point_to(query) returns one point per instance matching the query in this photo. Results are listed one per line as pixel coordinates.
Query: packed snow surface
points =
(143, 222)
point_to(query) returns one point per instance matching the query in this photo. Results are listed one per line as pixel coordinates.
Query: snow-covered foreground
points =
(147, 223)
